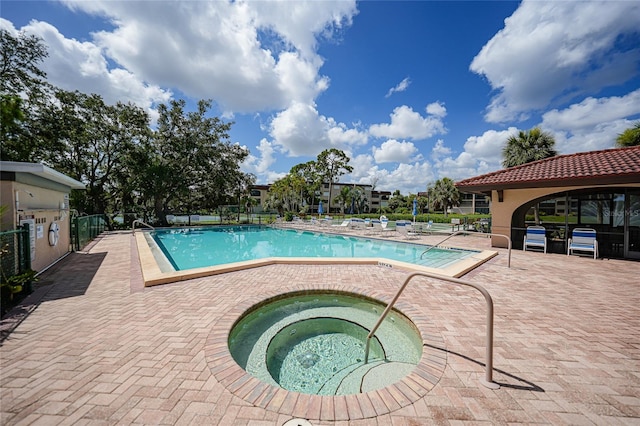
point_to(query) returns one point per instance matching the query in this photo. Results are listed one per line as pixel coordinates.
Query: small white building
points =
(35, 194)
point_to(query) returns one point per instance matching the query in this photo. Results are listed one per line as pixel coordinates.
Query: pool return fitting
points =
(488, 378)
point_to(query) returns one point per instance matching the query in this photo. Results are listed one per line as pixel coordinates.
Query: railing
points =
(488, 379)
(86, 228)
(133, 225)
(474, 233)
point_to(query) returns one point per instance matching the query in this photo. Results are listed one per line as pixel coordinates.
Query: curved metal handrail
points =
(133, 225)
(474, 233)
(488, 380)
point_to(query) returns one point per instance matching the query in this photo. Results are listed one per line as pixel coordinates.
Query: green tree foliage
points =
(528, 146)
(444, 194)
(23, 92)
(310, 175)
(332, 163)
(189, 162)
(630, 137)
(91, 142)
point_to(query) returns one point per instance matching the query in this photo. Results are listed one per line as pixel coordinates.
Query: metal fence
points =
(86, 228)
(15, 252)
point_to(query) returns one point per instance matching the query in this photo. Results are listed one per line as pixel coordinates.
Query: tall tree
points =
(528, 146)
(91, 142)
(333, 163)
(444, 194)
(630, 137)
(189, 161)
(308, 173)
(23, 92)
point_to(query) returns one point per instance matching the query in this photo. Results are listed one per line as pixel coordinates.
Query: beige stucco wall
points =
(45, 207)
(502, 211)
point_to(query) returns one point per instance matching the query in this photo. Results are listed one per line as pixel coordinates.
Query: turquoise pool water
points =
(314, 343)
(190, 248)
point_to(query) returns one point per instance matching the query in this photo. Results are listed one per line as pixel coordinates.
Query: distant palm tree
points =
(630, 137)
(528, 146)
(444, 194)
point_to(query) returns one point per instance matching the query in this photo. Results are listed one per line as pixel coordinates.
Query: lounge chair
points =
(384, 224)
(535, 237)
(376, 226)
(345, 223)
(405, 229)
(583, 240)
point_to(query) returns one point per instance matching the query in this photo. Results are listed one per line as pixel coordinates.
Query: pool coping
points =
(406, 391)
(152, 273)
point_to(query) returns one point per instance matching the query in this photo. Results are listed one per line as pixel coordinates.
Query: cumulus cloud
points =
(393, 151)
(301, 130)
(408, 124)
(259, 165)
(552, 52)
(592, 124)
(74, 65)
(400, 87)
(247, 56)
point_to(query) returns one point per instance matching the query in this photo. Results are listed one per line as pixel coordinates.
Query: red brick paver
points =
(100, 349)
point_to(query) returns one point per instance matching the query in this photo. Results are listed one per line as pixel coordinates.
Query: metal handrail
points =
(488, 380)
(474, 233)
(133, 225)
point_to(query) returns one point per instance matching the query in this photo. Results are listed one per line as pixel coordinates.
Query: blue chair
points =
(535, 237)
(583, 240)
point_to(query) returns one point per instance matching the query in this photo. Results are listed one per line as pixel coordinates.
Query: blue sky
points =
(412, 91)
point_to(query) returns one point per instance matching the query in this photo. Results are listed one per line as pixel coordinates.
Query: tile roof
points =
(611, 166)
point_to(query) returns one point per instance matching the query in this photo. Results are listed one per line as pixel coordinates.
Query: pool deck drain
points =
(101, 349)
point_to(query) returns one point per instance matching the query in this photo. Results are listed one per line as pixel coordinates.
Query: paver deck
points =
(99, 348)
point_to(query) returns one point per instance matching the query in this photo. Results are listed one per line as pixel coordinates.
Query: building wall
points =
(45, 207)
(504, 205)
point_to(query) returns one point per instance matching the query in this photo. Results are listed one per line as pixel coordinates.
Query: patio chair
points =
(535, 237)
(583, 240)
(405, 229)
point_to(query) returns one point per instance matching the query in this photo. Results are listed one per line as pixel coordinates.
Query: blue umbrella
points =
(320, 209)
(415, 208)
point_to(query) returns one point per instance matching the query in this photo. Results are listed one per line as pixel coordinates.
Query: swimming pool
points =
(200, 247)
(169, 255)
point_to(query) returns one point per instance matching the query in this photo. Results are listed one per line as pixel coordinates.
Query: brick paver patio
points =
(101, 349)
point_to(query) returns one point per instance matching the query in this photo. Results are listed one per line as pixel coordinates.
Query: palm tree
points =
(528, 146)
(630, 137)
(444, 194)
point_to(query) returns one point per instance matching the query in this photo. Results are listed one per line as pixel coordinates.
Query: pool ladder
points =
(133, 225)
(488, 379)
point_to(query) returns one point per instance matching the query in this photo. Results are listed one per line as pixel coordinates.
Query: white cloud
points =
(439, 150)
(247, 56)
(549, 52)
(400, 87)
(488, 146)
(393, 151)
(408, 124)
(259, 165)
(592, 124)
(301, 130)
(592, 112)
(74, 65)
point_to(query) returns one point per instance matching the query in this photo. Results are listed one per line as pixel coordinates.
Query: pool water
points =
(314, 343)
(190, 248)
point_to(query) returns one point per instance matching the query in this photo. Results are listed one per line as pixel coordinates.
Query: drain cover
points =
(297, 422)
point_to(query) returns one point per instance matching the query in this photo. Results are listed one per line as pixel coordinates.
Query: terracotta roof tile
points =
(609, 166)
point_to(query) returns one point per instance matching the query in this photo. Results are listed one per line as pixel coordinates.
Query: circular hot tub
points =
(314, 342)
